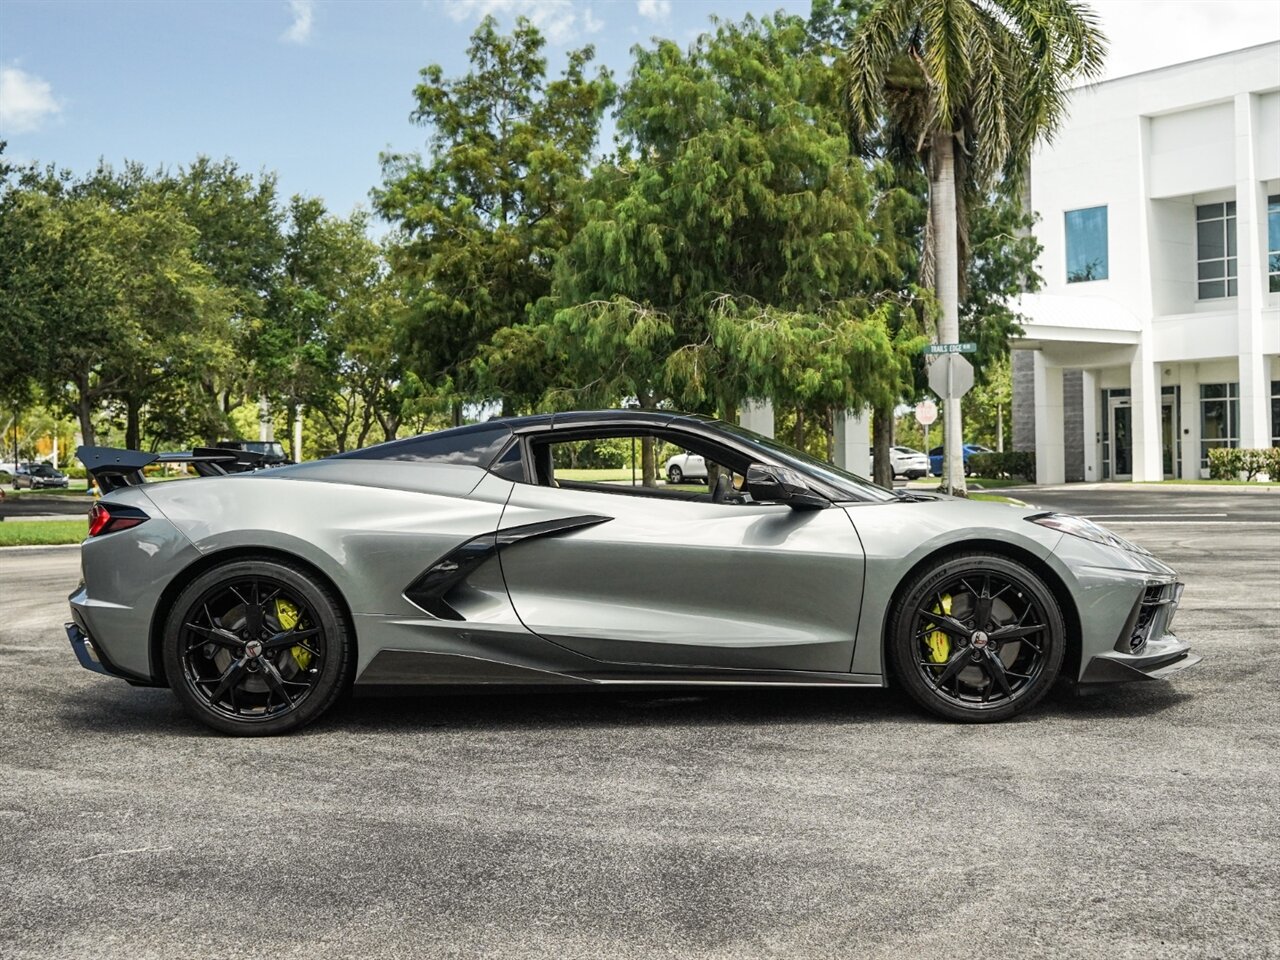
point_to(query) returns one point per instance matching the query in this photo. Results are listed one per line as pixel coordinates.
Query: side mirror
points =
(781, 485)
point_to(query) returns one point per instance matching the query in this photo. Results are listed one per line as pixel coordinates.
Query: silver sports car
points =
(480, 556)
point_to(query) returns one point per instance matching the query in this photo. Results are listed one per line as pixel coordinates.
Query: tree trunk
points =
(84, 411)
(797, 432)
(457, 414)
(999, 428)
(942, 204)
(132, 424)
(881, 440)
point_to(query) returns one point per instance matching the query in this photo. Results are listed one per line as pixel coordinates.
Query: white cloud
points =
(303, 15)
(26, 101)
(654, 9)
(1146, 34)
(560, 21)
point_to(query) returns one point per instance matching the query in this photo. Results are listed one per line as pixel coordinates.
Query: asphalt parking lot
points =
(1140, 822)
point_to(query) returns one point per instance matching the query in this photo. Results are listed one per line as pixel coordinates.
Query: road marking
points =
(1147, 516)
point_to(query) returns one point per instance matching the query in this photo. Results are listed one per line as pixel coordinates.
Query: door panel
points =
(678, 583)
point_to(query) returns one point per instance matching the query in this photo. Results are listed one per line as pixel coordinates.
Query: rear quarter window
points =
(471, 446)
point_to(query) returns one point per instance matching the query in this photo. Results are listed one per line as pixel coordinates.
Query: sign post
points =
(950, 377)
(926, 413)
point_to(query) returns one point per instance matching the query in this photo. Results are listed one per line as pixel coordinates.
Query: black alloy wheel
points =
(978, 638)
(256, 647)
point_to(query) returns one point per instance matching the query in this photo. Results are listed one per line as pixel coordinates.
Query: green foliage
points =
(1232, 463)
(1009, 465)
(481, 220)
(730, 251)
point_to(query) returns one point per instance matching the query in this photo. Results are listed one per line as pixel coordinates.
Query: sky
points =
(316, 89)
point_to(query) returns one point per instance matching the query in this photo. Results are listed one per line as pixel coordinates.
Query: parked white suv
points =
(685, 466)
(909, 463)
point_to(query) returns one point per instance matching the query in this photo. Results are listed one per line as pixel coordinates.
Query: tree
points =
(327, 270)
(482, 219)
(728, 253)
(966, 87)
(240, 239)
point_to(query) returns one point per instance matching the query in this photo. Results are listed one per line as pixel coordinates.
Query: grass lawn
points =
(75, 490)
(996, 498)
(29, 533)
(605, 475)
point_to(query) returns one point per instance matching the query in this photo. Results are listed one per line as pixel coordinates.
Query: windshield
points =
(44, 470)
(849, 485)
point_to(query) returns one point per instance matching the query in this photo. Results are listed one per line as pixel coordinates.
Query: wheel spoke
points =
(229, 678)
(1015, 632)
(253, 614)
(223, 638)
(958, 662)
(982, 606)
(275, 681)
(945, 623)
(994, 668)
(290, 638)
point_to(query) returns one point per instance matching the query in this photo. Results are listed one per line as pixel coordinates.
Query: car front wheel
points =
(675, 475)
(976, 638)
(257, 647)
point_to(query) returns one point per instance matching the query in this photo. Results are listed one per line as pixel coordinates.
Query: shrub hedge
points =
(1231, 463)
(1010, 465)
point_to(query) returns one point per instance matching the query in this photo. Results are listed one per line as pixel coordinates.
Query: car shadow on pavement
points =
(117, 709)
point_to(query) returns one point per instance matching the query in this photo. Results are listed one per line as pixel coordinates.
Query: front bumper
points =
(1158, 660)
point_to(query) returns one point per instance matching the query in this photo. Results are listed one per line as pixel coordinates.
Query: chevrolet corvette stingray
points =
(480, 556)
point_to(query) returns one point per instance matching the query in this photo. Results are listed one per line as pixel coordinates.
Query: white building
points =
(1157, 333)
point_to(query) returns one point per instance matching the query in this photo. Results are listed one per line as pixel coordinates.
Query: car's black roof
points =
(476, 444)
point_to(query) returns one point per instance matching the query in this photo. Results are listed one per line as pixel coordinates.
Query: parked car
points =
(37, 476)
(459, 559)
(907, 462)
(968, 449)
(685, 466)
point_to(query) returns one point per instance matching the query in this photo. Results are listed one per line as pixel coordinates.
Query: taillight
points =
(108, 518)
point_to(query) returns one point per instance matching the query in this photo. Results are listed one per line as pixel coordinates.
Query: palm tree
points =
(965, 88)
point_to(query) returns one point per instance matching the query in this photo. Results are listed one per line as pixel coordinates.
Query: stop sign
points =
(926, 412)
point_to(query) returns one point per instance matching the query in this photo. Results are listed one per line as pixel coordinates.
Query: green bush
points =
(1234, 463)
(6, 476)
(1010, 465)
(75, 471)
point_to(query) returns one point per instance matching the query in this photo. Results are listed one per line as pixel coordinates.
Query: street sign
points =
(950, 376)
(926, 412)
(944, 348)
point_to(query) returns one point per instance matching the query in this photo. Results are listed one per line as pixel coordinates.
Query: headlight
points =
(1086, 529)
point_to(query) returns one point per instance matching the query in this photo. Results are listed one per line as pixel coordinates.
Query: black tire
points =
(675, 475)
(959, 669)
(273, 687)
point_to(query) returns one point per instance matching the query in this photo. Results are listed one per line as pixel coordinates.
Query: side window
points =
(661, 466)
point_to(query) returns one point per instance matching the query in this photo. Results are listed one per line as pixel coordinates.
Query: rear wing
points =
(113, 467)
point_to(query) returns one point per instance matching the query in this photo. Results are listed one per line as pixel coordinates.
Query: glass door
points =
(1169, 439)
(1120, 416)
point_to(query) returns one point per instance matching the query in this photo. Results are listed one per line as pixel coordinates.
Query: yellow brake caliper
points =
(287, 615)
(938, 643)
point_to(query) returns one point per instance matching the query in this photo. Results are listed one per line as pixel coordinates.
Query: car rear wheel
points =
(675, 475)
(257, 647)
(977, 638)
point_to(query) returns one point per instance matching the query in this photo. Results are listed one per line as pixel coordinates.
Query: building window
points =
(1086, 244)
(1219, 418)
(1216, 250)
(1273, 244)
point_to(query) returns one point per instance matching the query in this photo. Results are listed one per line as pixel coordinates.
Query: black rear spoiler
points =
(113, 467)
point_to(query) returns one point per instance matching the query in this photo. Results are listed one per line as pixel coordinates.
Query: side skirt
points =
(417, 668)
